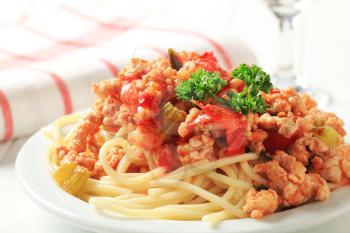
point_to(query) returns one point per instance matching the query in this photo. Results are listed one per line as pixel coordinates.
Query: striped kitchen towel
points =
(48, 61)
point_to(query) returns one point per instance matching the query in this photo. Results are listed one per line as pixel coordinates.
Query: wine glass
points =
(285, 76)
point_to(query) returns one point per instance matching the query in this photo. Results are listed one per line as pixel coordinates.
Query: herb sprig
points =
(200, 86)
(203, 84)
(250, 99)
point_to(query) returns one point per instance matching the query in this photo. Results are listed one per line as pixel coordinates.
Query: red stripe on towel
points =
(88, 39)
(73, 43)
(7, 115)
(67, 101)
(18, 56)
(113, 68)
(63, 89)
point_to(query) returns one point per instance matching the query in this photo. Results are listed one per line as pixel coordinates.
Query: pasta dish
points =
(181, 138)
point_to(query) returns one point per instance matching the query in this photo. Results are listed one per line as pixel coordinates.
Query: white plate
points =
(37, 183)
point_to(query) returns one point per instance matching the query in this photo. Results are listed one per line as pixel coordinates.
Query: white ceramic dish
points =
(38, 184)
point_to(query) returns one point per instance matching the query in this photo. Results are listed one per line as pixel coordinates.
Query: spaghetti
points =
(191, 192)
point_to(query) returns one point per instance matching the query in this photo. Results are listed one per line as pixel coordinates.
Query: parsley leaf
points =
(253, 76)
(201, 85)
(204, 84)
(245, 102)
(250, 99)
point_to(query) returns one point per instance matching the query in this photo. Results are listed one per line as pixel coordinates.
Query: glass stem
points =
(285, 72)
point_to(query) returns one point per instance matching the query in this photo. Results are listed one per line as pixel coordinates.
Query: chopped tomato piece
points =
(275, 141)
(235, 128)
(129, 95)
(200, 119)
(168, 159)
(147, 137)
(148, 101)
(148, 123)
(133, 168)
(230, 120)
(130, 78)
(208, 56)
(236, 141)
(208, 62)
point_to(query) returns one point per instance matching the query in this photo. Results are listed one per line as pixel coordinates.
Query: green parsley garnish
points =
(254, 77)
(200, 86)
(250, 99)
(203, 84)
(245, 102)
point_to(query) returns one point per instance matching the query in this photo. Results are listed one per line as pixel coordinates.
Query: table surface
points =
(325, 62)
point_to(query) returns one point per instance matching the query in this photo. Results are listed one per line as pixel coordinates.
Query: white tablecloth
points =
(325, 62)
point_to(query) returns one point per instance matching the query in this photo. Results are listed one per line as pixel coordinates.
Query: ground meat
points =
(184, 128)
(306, 124)
(186, 56)
(297, 105)
(186, 70)
(285, 126)
(333, 121)
(105, 88)
(280, 105)
(289, 125)
(192, 62)
(134, 70)
(110, 113)
(255, 136)
(190, 125)
(236, 85)
(266, 121)
(288, 100)
(114, 155)
(155, 87)
(317, 162)
(290, 180)
(198, 148)
(252, 121)
(115, 115)
(335, 166)
(214, 128)
(86, 130)
(291, 113)
(308, 101)
(185, 106)
(84, 159)
(147, 137)
(171, 81)
(256, 139)
(90, 160)
(295, 114)
(260, 203)
(93, 145)
(305, 148)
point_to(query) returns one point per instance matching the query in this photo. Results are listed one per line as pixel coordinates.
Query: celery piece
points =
(64, 172)
(170, 118)
(77, 181)
(329, 136)
(174, 61)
